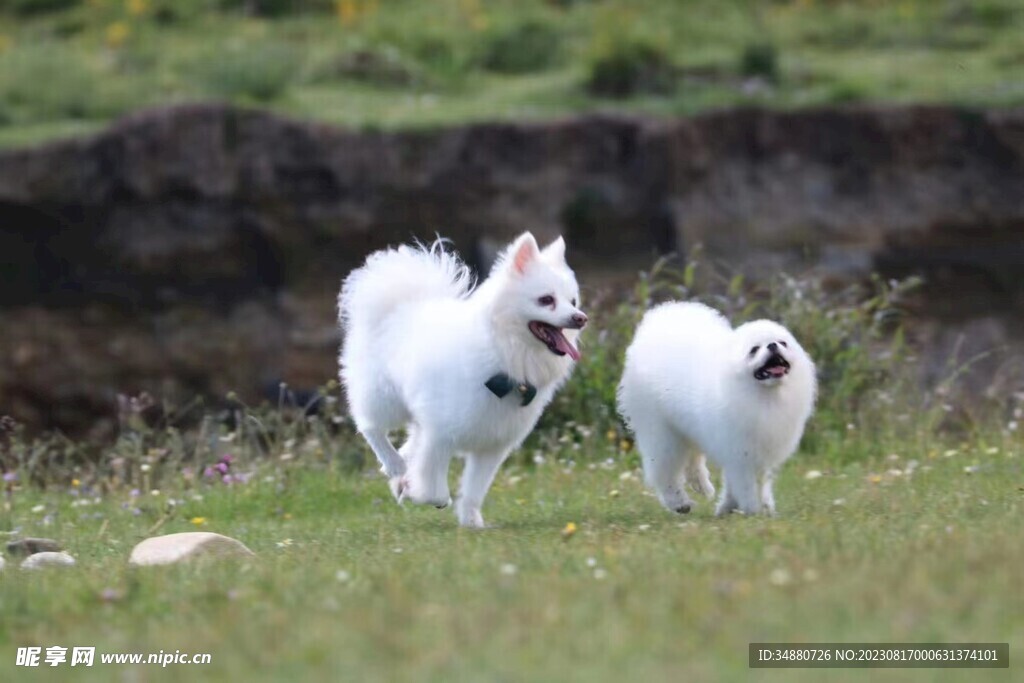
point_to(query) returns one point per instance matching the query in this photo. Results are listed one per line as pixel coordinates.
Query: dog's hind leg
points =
(476, 481)
(740, 491)
(426, 482)
(664, 467)
(697, 475)
(391, 463)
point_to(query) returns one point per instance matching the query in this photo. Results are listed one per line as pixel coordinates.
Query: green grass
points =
(456, 61)
(637, 592)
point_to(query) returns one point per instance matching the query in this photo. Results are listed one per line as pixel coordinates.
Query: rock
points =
(198, 249)
(187, 546)
(31, 546)
(48, 559)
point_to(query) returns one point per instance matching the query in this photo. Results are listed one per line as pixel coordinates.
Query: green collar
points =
(501, 384)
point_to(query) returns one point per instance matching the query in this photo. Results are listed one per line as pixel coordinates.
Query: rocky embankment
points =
(199, 249)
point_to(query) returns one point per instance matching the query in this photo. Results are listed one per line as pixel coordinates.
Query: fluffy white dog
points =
(466, 372)
(694, 384)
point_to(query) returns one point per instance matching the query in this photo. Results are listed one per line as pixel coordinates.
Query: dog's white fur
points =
(419, 345)
(689, 387)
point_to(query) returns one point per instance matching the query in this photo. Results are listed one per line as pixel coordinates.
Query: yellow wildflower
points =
(569, 530)
(117, 34)
(347, 11)
(136, 8)
(198, 521)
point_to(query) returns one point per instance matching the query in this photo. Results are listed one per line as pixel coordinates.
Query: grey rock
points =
(44, 560)
(185, 547)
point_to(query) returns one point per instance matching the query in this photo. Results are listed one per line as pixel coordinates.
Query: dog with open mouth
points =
(466, 371)
(694, 386)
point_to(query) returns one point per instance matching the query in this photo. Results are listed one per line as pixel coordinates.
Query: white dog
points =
(693, 384)
(465, 371)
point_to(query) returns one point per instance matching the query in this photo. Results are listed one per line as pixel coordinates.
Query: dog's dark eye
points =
(546, 300)
(784, 343)
(754, 350)
(573, 301)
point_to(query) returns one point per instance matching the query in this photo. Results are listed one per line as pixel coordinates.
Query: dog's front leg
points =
(476, 481)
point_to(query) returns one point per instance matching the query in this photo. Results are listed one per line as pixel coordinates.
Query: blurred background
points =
(184, 183)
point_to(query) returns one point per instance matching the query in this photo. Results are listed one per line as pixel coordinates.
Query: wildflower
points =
(134, 493)
(286, 543)
(347, 11)
(591, 562)
(780, 577)
(508, 569)
(145, 467)
(111, 595)
(198, 521)
(810, 575)
(569, 530)
(342, 576)
(39, 508)
(812, 474)
(76, 483)
(614, 493)
(625, 445)
(600, 574)
(116, 35)
(10, 477)
(137, 8)
(643, 527)
(874, 478)
(970, 469)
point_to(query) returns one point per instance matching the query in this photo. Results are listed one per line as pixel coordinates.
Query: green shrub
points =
(26, 8)
(760, 59)
(630, 68)
(277, 8)
(523, 48)
(258, 73)
(382, 67)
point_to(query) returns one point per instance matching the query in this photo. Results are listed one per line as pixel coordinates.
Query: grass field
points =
(68, 66)
(899, 521)
(349, 586)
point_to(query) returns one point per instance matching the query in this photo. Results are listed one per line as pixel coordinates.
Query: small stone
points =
(48, 559)
(30, 546)
(187, 546)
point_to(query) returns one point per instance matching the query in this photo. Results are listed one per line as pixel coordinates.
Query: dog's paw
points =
(413, 491)
(470, 517)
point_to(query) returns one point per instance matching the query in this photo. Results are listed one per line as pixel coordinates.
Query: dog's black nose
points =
(773, 347)
(579, 320)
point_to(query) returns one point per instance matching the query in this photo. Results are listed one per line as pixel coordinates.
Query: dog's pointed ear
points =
(556, 250)
(524, 252)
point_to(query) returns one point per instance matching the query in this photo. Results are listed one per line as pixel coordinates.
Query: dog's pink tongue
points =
(565, 346)
(777, 371)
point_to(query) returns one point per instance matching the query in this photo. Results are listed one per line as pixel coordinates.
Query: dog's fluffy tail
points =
(394, 277)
